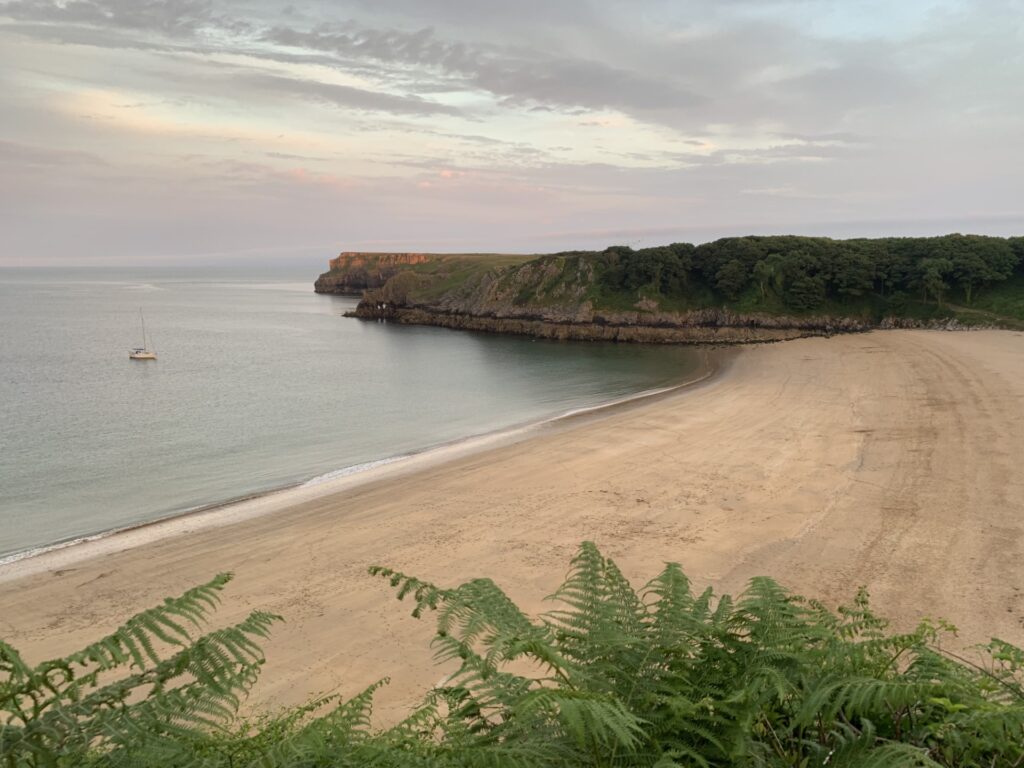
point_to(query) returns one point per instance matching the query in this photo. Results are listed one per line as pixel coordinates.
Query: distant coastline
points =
(731, 291)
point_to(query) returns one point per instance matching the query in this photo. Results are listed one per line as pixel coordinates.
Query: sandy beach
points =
(889, 459)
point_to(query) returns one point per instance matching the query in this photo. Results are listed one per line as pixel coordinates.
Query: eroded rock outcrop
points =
(629, 331)
(352, 272)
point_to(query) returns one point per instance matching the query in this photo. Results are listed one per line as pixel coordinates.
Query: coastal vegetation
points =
(801, 274)
(611, 676)
(807, 284)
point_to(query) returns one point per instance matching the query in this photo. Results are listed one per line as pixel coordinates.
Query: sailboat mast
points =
(143, 319)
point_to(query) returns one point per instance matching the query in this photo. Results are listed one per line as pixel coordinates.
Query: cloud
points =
(529, 77)
(581, 118)
(290, 156)
(14, 155)
(737, 64)
(342, 95)
(169, 17)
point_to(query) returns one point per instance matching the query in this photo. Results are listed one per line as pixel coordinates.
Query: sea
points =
(259, 384)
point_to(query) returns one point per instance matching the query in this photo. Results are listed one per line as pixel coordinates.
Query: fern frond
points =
(176, 688)
(133, 641)
(589, 720)
(425, 594)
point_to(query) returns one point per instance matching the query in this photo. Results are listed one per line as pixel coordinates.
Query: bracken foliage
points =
(149, 687)
(661, 677)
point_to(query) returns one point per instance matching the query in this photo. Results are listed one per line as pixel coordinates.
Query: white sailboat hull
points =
(143, 352)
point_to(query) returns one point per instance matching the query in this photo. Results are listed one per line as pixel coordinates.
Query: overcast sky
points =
(146, 131)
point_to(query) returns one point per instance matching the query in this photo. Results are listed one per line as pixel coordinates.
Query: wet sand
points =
(890, 459)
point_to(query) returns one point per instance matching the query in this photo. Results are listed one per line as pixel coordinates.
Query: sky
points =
(191, 131)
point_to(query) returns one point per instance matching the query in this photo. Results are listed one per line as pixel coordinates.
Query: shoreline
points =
(884, 459)
(218, 514)
(711, 329)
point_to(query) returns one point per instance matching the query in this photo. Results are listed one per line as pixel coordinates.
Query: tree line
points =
(803, 273)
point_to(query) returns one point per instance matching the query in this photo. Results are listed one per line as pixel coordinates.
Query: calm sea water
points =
(259, 383)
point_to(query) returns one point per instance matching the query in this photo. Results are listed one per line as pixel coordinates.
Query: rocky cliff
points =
(352, 272)
(677, 329)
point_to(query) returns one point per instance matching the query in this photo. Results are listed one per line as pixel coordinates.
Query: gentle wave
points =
(620, 401)
(13, 557)
(27, 553)
(354, 469)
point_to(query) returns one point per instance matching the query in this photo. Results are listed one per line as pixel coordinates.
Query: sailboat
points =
(143, 352)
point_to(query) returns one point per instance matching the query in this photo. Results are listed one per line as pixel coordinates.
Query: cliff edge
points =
(352, 272)
(737, 290)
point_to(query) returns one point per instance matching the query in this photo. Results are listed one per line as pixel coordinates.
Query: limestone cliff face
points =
(352, 272)
(354, 260)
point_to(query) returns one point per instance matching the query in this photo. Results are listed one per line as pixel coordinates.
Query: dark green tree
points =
(978, 261)
(732, 278)
(932, 274)
(1017, 246)
(852, 270)
(768, 273)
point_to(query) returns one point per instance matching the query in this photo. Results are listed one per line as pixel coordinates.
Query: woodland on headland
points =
(800, 274)
(612, 676)
(780, 286)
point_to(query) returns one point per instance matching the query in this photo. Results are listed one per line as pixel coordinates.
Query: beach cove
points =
(887, 459)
